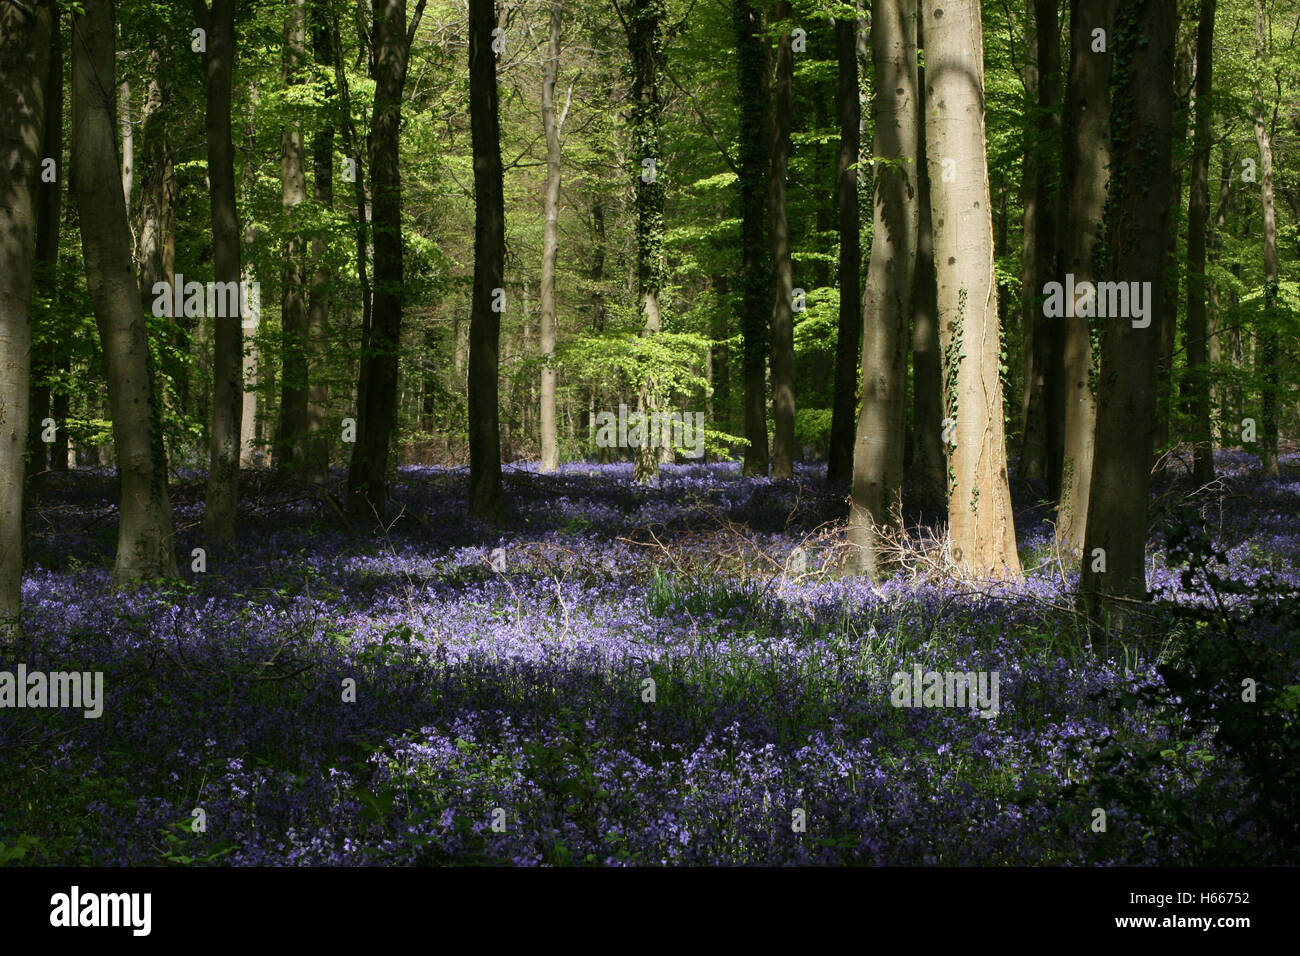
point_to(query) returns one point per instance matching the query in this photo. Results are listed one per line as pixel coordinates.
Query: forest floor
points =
(637, 675)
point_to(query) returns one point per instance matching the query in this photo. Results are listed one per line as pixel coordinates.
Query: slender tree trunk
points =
(45, 277)
(1167, 314)
(368, 472)
(128, 142)
(782, 328)
(839, 463)
(980, 524)
(144, 546)
(645, 45)
(24, 80)
(1266, 361)
(926, 470)
(1085, 167)
(1044, 423)
(1198, 213)
(291, 439)
(486, 499)
(322, 277)
(878, 448)
(228, 335)
(550, 241)
(1137, 216)
(1216, 334)
(755, 275)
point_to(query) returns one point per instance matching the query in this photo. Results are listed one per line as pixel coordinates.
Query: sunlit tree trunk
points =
(550, 240)
(1266, 360)
(878, 446)
(782, 328)
(980, 524)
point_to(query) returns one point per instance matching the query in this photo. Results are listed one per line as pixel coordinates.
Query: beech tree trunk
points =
(1266, 363)
(1137, 216)
(291, 437)
(926, 469)
(228, 334)
(377, 388)
(144, 543)
(755, 275)
(486, 500)
(848, 340)
(24, 79)
(1198, 214)
(1085, 166)
(878, 447)
(980, 525)
(550, 241)
(782, 328)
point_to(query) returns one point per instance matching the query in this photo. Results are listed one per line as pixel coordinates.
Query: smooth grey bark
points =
(782, 323)
(980, 524)
(291, 434)
(551, 126)
(144, 544)
(1266, 358)
(878, 445)
(24, 78)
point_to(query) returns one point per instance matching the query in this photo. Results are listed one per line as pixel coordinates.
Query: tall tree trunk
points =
(291, 437)
(228, 335)
(45, 276)
(1198, 213)
(1167, 314)
(848, 339)
(926, 470)
(1266, 363)
(1043, 421)
(755, 275)
(1137, 216)
(368, 472)
(24, 80)
(144, 543)
(644, 27)
(155, 249)
(486, 499)
(322, 276)
(783, 410)
(1217, 332)
(878, 448)
(550, 240)
(128, 142)
(980, 522)
(1085, 169)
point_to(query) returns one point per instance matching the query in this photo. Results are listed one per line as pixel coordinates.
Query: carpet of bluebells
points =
(505, 715)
